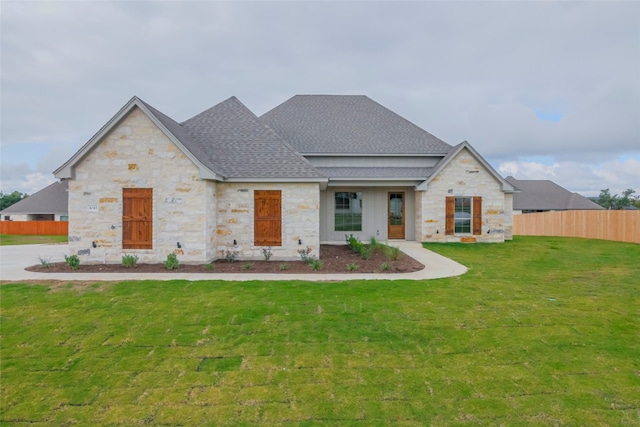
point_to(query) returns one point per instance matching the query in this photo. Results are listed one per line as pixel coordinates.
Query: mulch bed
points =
(335, 259)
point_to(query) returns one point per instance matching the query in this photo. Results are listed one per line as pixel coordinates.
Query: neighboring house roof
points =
(545, 195)
(53, 199)
(227, 142)
(349, 124)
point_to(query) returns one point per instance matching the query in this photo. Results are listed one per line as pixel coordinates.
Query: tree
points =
(7, 200)
(616, 202)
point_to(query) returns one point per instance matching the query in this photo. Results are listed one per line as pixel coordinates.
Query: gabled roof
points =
(232, 141)
(226, 142)
(453, 152)
(349, 124)
(53, 199)
(545, 195)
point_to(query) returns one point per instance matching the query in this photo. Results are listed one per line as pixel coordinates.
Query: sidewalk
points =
(14, 259)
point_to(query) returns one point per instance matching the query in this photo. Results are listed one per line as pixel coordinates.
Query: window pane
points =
(348, 211)
(462, 215)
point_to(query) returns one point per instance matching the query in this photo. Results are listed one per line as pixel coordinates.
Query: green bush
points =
(171, 263)
(129, 260)
(72, 261)
(316, 264)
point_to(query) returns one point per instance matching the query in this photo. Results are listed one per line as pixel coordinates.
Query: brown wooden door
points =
(137, 218)
(396, 203)
(267, 218)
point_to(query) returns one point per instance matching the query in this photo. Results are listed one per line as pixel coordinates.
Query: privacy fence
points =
(622, 226)
(43, 228)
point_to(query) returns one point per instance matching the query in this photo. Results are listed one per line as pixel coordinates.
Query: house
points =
(544, 195)
(48, 204)
(313, 169)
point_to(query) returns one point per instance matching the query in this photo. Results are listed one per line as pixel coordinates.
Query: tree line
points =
(7, 200)
(617, 202)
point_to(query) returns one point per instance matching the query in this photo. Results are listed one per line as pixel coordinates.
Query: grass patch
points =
(540, 331)
(13, 239)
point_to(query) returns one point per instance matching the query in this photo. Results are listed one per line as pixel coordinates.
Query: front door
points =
(396, 216)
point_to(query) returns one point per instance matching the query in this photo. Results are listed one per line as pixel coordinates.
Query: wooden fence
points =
(43, 228)
(622, 226)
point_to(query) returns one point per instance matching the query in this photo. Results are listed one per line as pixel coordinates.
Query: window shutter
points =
(137, 218)
(477, 216)
(267, 218)
(449, 215)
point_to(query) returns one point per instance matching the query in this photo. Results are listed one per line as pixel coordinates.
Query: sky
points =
(542, 90)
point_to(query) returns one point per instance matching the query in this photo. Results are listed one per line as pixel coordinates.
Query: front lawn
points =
(14, 239)
(540, 331)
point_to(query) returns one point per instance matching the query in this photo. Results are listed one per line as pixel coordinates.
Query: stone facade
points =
(137, 154)
(464, 176)
(300, 219)
(196, 219)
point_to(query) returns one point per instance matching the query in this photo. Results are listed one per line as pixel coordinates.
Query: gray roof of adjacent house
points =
(545, 195)
(53, 199)
(349, 124)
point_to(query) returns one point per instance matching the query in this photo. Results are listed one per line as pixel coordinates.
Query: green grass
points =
(13, 239)
(540, 331)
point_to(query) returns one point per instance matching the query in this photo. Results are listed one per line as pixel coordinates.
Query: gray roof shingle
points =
(545, 195)
(230, 140)
(376, 173)
(53, 199)
(348, 124)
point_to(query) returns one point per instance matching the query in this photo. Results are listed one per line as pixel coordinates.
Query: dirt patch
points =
(335, 259)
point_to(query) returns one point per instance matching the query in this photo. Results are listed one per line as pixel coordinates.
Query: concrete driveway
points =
(14, 259)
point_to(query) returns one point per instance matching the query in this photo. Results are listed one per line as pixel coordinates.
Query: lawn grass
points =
(540, 331)
(14, 239)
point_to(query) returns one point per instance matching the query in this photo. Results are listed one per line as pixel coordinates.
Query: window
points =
(267, 218)
(463, 215)
(348, 211)
(137, 218)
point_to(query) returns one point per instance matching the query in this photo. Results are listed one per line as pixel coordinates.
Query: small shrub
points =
(391, 252)
(385, 266)
(352, 267)
(316, 264)
(306, 255)
(45, 262)
(129, 260)
(210, 266)
(72, 261)
(248, 266)
(283, 266)
(266, 253)
(373, 242)
(365, 252)
(230, 255)
(171, 263)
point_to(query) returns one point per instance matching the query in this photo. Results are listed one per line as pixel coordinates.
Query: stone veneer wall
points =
(300, 219)
(137, 154)
(464, 176)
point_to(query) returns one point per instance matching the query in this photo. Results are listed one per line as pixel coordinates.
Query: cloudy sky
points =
(543, 90)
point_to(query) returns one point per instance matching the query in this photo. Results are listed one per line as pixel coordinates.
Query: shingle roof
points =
(545, 195)
(53, 199)
(376, 173)
(234, 143)
(348, 124)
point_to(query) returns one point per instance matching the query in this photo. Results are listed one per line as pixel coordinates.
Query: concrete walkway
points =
(14, 259)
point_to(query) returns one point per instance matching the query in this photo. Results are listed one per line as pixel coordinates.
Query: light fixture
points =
(235, 242)
(178, 245)
(437, 231)
(299, 241)
(94, 244)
